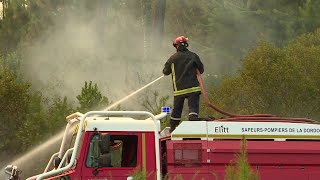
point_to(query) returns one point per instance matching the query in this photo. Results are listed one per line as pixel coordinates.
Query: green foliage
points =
(58, 110)
(14, 97)
(23, 22)
(43, 119)
(282, 81)
(26, 115)
(91, 97)
(35, 123)
(139, 174)
(241, 169)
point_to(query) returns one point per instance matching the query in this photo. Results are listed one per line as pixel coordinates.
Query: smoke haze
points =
(108, 51)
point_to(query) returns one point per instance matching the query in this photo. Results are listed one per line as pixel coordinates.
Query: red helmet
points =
(181, 40)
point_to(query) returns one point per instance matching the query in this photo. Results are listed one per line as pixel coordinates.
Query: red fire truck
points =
(115, 144)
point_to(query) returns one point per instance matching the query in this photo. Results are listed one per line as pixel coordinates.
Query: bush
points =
(241, 169)
(281, 81)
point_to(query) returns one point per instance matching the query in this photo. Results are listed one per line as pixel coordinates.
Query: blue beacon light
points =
(166, 109)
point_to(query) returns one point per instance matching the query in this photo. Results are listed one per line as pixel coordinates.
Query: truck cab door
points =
(112, 155)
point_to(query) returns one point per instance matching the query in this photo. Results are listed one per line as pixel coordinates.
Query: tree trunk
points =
(146, 23)
(158, 26)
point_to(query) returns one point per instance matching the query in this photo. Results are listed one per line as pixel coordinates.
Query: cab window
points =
(121, 151)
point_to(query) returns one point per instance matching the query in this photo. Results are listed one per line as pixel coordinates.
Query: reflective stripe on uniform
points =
(183, 91)
(176, 119)
(193, 113)
(173, 77)
(186, 91)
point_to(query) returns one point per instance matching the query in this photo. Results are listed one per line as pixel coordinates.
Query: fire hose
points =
(211, 105)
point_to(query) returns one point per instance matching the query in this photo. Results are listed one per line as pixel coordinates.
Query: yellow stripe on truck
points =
(144, 153)
(77, 127)
(264, 136)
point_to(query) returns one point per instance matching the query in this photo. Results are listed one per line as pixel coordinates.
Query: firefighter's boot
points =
(173, 124)
(193, 117)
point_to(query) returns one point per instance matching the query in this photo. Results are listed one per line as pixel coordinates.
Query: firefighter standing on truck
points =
(182, 66)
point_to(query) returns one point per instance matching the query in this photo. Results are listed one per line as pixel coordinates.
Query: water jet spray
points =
(132, 94)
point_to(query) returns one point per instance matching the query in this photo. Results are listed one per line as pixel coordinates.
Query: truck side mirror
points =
(56, 162)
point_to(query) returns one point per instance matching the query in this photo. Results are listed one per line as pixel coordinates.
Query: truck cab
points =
(108, 145)
(119, 150)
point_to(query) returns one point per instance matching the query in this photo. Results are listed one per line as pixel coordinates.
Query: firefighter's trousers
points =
(193, 104)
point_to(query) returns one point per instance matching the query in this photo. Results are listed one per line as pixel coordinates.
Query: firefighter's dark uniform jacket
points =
(182, 65)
